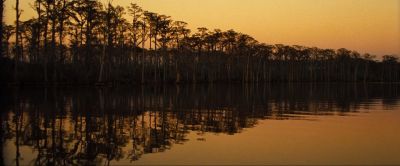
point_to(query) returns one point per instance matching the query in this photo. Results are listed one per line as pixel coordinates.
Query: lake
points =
(287, 124)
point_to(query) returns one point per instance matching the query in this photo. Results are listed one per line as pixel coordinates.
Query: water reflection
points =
(78, 126)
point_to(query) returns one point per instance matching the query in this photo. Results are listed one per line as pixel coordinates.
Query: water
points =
(203, 124)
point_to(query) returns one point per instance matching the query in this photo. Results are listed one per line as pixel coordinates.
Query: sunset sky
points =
(364, 25)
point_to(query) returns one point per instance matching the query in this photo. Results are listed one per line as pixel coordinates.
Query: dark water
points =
(214, 124)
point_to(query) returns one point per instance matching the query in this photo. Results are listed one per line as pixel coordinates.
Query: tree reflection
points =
(96, 126)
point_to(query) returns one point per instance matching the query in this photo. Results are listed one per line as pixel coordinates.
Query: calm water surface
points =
(232, 124)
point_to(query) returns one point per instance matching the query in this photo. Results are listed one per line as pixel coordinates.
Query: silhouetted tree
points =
(1, 27)
(136, 12)
(17, 50)
(8, 31)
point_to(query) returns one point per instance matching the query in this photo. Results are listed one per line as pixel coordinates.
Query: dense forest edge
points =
(88, 42)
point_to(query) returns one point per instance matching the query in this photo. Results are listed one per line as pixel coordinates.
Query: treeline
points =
(88, 42)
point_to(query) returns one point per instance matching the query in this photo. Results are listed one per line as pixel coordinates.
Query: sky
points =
(371, 26)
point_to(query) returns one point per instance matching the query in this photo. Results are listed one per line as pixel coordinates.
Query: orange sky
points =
(365, 25)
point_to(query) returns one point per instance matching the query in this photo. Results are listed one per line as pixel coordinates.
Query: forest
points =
(93, 43)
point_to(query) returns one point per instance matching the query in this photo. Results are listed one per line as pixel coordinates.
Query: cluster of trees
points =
(97, 126)
(86, 41)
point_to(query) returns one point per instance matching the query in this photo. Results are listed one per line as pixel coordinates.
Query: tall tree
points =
(153, 20)
(90, 9)
(106, 31)
(144, 34)
(136, 12)
(53, 17)
(64, 13)
(37, 8)
(8, 31)
(17, 41)
(367, 59)
(45, 35)
(1, 27)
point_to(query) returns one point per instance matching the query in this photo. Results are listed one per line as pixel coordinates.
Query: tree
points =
(37, 8)
(136, 12)
(367, 59)
(390, 71)
(29, 34)
(144, 31)
(52, 13)
(180, 34)
(1, 27)
(105, 31)
(356, 58)
(17, 41)
(165, 39)
(343, 57)
(8, 31)
(155, 22)
(64, 12)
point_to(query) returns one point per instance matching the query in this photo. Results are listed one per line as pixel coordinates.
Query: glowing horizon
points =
(371, 26)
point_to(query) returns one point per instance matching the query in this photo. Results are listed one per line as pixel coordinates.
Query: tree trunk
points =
(61, 32)
(38, 31)
(1, 27)
(366, 72)
(102, 64)
(88, 41)
(17, 49)
(143, 51)
(53, 46)
(356, 72)
(45, 49)
(156, 56)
